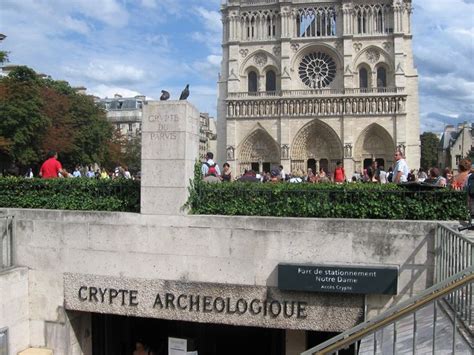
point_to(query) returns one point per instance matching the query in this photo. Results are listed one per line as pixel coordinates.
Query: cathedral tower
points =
(307, 83)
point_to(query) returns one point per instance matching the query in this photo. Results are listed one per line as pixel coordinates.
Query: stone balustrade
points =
(380, 105)
(248, 2)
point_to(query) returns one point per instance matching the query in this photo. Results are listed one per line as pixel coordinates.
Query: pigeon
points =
(165, 95)
(185, 93)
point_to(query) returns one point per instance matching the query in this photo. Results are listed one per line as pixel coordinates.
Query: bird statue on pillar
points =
(185, 93)
(165, 95)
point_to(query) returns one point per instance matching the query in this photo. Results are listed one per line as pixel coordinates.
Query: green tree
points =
(429, 150)
(22, 121)
(79, 129)
(132, 154)
(3, 57)
(37, 115)
(92, 131)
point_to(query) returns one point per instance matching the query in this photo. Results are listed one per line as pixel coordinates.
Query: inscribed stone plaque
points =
(170, 147)
(256, 306)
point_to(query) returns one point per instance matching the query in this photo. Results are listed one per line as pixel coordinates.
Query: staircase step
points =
(424, 341)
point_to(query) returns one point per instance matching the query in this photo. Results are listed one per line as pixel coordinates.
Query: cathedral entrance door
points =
(380, 162)
(312, 165)
(367, 163)
(324, 164)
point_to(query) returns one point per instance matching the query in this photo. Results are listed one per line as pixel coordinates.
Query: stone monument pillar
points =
(170, 147)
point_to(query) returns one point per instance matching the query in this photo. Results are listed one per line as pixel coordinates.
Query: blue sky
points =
(135, 47)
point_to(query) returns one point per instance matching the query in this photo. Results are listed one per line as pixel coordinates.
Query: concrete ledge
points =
(36, 351)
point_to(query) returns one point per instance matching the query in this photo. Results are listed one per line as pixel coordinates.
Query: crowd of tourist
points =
(399, 173)
(52, 168)
(211, 172)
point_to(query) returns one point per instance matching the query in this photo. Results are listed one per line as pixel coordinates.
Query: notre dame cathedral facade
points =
(307, 83)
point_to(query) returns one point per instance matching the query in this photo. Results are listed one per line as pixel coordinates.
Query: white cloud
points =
(107, 72)
(444, 53)
(110, 12)
(76, 25)
(205, 98)
(211, 19)
(209, 67)
(213, 25)
(149, 45)
(160, 40)
(149, 3)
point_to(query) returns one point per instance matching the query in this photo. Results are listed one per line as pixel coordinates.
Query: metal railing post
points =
(435, 319)
(415, 331)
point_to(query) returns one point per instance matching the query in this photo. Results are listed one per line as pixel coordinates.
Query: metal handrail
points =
(395, 313)
(455, 252)
(450, 258)
(6, 242)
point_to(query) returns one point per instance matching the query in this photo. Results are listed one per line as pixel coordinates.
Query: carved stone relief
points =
(400, 68)
(387, 46)
(357, 46)
(285, 149)
(244, 52)
(372, 55)
(295, 47)
(230, 152)
(348, 150)
(318, 107)
(260, 59)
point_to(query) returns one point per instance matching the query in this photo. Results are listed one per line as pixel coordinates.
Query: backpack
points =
(470, 185)
(390, 177)
(211, 169)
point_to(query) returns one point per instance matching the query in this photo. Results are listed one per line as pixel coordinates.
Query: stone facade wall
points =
(14, 308)
(242, 251)
(393, 107)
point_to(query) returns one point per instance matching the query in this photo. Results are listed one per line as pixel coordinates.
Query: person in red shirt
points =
(339, 173)
(51, 167)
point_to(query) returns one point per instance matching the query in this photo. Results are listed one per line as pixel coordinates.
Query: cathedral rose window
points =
(317, 70)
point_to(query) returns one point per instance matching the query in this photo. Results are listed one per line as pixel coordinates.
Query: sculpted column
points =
(170, 147)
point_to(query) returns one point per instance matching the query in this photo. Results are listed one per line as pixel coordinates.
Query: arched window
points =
(363, 78)
(381, 77)
(362, 13)
(253, 82)
(270, 84)
(379, 19)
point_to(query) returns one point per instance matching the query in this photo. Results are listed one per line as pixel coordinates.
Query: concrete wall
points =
(211, 249)
(14, 307)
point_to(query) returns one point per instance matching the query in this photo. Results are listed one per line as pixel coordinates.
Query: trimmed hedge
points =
(71, 194)
(359, 200)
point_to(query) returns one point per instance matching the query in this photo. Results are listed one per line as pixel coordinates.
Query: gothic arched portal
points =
(374, 143)
(258, 148)
(317, 141)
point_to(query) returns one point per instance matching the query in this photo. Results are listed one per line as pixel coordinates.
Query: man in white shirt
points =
(382, 175)
(400, 170)
(210, 167)
(282, 173)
